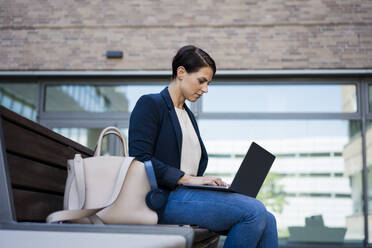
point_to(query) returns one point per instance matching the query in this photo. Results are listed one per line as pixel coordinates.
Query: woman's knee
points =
(270, 219)
(255, 212)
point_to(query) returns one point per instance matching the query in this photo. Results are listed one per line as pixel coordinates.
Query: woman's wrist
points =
(185, 179)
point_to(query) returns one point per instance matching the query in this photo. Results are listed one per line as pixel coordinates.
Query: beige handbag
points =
(106, 189)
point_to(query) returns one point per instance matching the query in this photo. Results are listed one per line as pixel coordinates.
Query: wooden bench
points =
(32, 180)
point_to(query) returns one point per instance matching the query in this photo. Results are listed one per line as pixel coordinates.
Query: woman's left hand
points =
(206, 180)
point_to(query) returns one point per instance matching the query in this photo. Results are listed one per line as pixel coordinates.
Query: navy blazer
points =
(155, 134)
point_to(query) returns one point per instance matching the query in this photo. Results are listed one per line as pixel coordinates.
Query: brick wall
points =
(293, 34)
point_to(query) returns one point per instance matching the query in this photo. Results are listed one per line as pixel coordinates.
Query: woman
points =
(163, 129)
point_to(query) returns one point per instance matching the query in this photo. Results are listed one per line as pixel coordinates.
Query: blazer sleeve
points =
(143, 130)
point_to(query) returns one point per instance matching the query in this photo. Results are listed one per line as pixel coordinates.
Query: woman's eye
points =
(201, 81)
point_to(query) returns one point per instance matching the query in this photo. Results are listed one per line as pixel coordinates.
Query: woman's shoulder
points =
(151, 102)
(150, 99)
(160, 99)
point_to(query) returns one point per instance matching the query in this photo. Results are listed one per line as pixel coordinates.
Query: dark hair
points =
(192, 58)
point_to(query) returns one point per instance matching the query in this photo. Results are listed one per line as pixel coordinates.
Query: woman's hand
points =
(214, 181)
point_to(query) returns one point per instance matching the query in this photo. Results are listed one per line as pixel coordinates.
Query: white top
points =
(191, 150)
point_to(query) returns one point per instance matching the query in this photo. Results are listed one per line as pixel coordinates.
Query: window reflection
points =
(310, 182)
(20, 98)
(358, 176)
(91, 98)
(370, 98)
(281, 98)
(85, 136)
(315, 185)
(88, 137)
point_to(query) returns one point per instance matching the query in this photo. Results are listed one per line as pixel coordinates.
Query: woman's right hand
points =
(214, 181)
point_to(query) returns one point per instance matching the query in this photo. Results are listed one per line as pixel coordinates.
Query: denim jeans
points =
(246, 219)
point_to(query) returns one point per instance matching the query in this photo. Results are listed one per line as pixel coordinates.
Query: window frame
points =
(361, 78)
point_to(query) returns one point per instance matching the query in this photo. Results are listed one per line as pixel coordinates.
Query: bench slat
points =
(34, 175)
(35, 206)
(9, 115)
(33, 145)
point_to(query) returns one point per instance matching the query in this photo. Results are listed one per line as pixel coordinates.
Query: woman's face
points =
(194, 85)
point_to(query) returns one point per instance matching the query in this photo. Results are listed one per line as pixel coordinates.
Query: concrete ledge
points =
(47, 239)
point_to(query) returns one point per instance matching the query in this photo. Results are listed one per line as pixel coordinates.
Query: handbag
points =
(110, 189)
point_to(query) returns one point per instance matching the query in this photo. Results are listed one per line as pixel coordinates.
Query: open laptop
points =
(251, 174)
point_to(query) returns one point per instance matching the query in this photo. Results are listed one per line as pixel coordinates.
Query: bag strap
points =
(111, 130)
(76, 214)
(71, 215)
(151, 174)
(80, 179)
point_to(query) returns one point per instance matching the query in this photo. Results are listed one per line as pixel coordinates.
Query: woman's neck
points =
(176, 95)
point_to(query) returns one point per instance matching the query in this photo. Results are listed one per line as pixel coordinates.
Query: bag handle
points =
(111, 130)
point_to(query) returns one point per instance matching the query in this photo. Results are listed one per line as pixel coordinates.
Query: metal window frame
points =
(360, 114)
(122, 118)
(368, 82)
(285, 81)
(89, 119)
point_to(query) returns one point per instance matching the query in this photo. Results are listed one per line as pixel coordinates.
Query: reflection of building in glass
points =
(319, 175)
(353, 169)
(85, 136)
(20, 98)
(353, 162)
(311, 170)
(316, 232)
(85, 98)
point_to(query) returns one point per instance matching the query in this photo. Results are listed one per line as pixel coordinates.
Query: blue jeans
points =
(247, 220)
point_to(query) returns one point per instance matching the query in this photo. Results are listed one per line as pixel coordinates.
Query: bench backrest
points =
(33, 174)
(33, 160)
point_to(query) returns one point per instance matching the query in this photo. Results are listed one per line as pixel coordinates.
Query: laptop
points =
(251, 174)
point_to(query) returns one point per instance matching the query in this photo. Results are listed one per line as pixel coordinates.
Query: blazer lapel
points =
(176, 125)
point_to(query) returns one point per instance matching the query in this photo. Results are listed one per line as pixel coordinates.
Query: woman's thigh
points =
(214, 210)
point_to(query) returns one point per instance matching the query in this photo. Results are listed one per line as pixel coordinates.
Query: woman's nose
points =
(205, 88)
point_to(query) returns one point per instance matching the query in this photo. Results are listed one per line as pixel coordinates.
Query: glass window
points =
(85, 136)
(370, 98)
(117, 146)
(312, 188)
(280, 98)
(91, 98)
(89, 136)
(358, 174)
(20, 98)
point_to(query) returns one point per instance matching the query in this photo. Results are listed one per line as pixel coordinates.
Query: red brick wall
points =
(276, 34)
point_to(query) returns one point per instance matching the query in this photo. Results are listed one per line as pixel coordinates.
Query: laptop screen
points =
(253, 171)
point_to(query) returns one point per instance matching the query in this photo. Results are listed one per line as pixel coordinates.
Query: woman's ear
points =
(181, 71)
